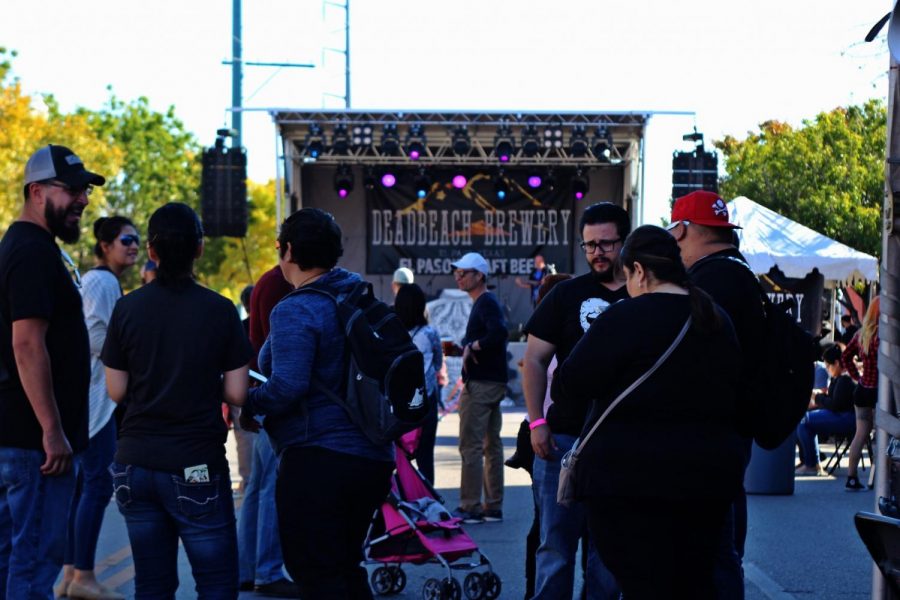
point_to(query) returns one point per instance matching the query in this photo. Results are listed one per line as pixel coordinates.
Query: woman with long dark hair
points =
(177, 350)
(409, 305)
(116, 251)
(655, 512)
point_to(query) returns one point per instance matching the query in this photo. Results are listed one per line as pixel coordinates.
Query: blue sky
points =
(735, 64)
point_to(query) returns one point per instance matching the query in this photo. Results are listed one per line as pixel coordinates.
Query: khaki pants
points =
(480, 446)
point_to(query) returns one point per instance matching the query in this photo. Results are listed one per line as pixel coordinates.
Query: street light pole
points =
(236, 74)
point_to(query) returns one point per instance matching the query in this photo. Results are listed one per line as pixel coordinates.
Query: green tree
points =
(828, 174)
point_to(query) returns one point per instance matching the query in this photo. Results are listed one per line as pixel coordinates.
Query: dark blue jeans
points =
(159, 508)
(93, 488)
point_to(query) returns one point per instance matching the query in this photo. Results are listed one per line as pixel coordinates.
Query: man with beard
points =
(44, 372)
(706, 240)
(557, 324)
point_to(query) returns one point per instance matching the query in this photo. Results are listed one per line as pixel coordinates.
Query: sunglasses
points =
(130, 239)
(74, 192)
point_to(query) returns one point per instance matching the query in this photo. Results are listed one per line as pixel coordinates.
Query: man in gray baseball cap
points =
(45, 371)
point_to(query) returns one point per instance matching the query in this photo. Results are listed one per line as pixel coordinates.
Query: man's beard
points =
(56, 223)
(605, 276)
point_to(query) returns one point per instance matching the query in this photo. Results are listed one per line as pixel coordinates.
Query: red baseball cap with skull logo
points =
(703, 208)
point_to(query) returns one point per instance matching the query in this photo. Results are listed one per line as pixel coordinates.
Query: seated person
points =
(831, 413)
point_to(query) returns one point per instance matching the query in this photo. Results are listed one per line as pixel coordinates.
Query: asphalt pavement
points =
(802, 546)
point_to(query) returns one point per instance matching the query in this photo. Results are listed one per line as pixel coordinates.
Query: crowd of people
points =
(109, 395)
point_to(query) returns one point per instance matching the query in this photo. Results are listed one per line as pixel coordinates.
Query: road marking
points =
(123, 576)
(113, 559)
(766, 584)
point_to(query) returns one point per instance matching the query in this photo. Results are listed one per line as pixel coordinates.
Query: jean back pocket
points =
(197, 500)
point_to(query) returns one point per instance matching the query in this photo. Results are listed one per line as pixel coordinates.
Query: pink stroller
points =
(413, 527)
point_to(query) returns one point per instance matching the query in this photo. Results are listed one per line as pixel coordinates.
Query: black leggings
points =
(325, 500)
(659, 548)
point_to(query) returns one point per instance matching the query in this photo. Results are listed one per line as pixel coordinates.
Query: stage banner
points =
(500, 216)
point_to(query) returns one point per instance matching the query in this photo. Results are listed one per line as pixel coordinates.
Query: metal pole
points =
(236, 75)
(347, 56)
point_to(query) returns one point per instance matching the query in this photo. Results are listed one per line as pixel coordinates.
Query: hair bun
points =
(98, 226)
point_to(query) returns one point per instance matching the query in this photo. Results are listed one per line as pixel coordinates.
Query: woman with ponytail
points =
(116, 251)
(177, 350)
(664, 467)
(864, 347)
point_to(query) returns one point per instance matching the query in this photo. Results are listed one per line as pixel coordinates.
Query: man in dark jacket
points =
(706, 239)
(485, 376)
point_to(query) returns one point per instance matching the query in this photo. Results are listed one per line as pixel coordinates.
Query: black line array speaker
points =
(223, 198)
(692, 171)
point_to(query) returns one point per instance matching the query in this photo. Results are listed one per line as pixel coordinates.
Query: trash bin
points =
(771, 471)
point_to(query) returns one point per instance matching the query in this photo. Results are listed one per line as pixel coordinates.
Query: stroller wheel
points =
(431, 590)
(383, 580)
(491, 584)
(398, 579)
(450, 589)
(473, 586)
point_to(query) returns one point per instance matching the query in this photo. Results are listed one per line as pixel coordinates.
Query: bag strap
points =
(630, 388)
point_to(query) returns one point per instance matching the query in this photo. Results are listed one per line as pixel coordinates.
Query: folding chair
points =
(841, 446)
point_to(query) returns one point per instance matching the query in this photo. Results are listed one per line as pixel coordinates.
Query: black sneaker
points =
(468, 517)
(246, 586)
(280, 588)
(853, 484)
(493, 516)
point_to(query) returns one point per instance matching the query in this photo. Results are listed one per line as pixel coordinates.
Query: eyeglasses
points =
(603, 245)
(130, 238)
(74, 192)
(460, 273)
(73, 268)
(674, 225)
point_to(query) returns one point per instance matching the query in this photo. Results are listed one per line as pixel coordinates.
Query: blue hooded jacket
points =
(305, 339)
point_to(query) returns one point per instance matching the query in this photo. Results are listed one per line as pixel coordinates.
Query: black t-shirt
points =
(725, 276)
(35, 284)
(175, 343)
(840, 395)
(487, 326)
(562, 318)
(682, 416)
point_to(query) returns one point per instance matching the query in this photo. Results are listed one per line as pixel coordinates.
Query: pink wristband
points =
(537, 423)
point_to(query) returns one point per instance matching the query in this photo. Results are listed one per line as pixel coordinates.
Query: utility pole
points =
(236, 74)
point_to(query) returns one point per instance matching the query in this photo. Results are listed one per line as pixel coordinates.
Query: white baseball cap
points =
(472, 260)
(404, 276)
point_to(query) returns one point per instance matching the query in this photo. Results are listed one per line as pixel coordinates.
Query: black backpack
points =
(785, 375)
(384, 393)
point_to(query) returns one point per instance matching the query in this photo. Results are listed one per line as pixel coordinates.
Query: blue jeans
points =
(93, 489)
(33, 512)
(561, 531)
(159, 508)
(822, 422)
(259, 549)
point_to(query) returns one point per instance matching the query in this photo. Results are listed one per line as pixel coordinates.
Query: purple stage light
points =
(534, 181)
(579, 195)
(504, 158)
(414, 155)
(388, 180)
(342, 193)
(459, 181)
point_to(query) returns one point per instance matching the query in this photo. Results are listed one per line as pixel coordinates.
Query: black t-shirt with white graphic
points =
(562, 317)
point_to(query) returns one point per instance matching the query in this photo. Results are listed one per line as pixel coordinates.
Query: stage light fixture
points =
(553, 136)
(460, 141)
(504, 148)
(501, 186)
(415, 142)
(602, 144)
(578, 142)
(340, 141)
(343, 181)
(531, 141)
(390, 140)
(369, 179)
(422, 183)
(459, 181)
(315, 144)
(388, 179)
(535, 180)
(580, 185)
(361, 137)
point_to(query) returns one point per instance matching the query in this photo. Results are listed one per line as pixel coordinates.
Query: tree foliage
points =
(827, 174)
(148, 158)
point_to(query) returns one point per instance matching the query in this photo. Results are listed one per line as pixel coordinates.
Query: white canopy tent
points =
(772, 240)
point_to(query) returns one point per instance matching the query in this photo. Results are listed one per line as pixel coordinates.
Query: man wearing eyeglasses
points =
(44, 372)
(485, 376)
(557, 324)
(707, 242)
